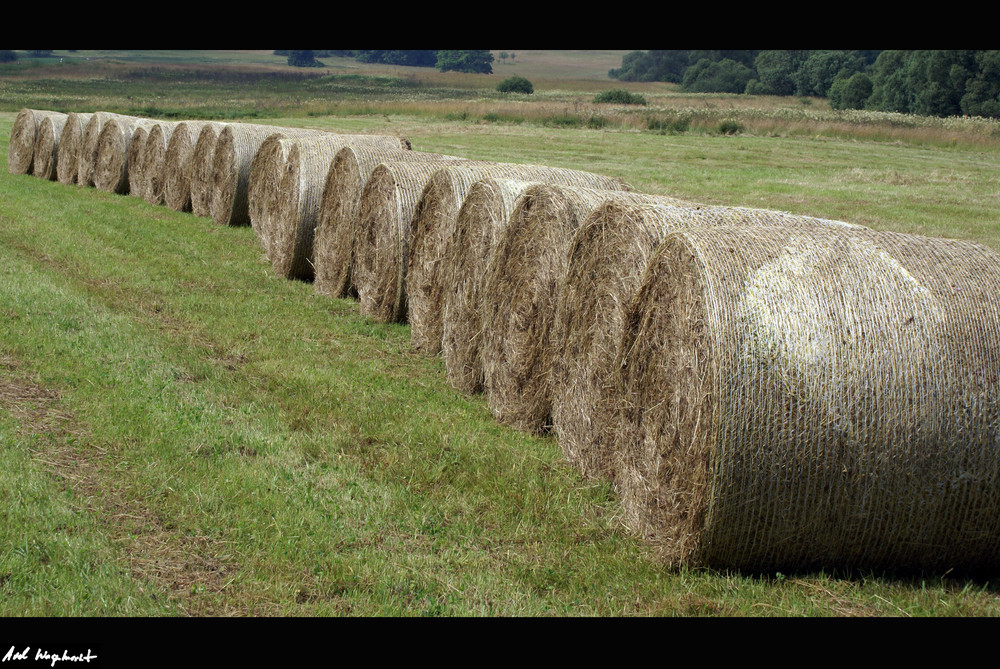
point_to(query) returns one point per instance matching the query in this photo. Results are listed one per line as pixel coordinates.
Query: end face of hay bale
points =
(47, 147)
(69, 147)
(202, 163)
(816, 376)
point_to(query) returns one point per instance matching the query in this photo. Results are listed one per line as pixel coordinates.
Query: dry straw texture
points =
(814, 398)
(266, 171)
(482, 218)
(433, 226)
(154, 161)
(520, 290)
(136, 160)
(21, 147)
(69, 147)
(47, 147)
(606, 260)
(340, 205)
(202, 162)
(294, 213)
(86, 159)
(111, 171)
(382, 240)
(178, 163)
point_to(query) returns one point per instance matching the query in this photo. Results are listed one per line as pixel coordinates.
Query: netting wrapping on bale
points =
(154, 161)
(69, 147)
(266, 171)
(178, 163)
(136, 160)
(433, 226)
(520, 289)
(46, 157)
(813, 398)
(340, 204)
(382, 239)
(21, 146)
(113, 147)
(480, 221)
(606, 259)
(202, 162)
(295, 210)
(86, 159)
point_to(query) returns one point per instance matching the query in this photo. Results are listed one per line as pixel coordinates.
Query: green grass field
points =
(182, 433)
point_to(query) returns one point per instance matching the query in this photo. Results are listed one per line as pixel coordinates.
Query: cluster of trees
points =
(928, 82)
(444, 60)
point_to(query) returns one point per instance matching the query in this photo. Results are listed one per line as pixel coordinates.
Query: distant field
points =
(183, 433)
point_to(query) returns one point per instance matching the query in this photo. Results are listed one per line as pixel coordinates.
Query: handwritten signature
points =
(42, 654)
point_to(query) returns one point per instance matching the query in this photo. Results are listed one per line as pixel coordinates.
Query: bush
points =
(516, 84)
(620, 96)
(730, 128)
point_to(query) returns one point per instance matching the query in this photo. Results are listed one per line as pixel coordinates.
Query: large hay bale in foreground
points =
(47, 147)
(606, 260)
(520, 290)
(69, 147)
(382, 240)
(21, 146)
(113, 146)
(86, 159)
(293, 215)
(482, 218)
(202, 162)
(178, 164)
(154, 161)
(814, 398)
(340, 204)
(433, 226)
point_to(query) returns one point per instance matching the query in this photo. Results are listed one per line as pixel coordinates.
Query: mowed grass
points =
(185, 434)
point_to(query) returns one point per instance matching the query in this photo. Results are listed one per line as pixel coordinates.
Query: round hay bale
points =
(382, 239)
(480, 221)
(111, 171)
(178, 163)
(520, 290)
(266, 172)
(433, 226)
(86, 159)
(813, 398)
(606, 260)
(202, 162)
(47, 147)
(154, 161)
(333, 242)
(21, 147)
(69, 147)
(136, 160)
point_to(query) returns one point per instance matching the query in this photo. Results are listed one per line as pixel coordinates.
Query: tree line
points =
(931, 82)
(444, 60)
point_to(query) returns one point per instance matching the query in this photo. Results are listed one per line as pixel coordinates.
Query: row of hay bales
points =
(764, 390)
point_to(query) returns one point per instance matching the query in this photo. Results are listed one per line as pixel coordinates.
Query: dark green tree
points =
(664, 65)
(816, 73)
(982, 92)
(303, 59)
(775, 70)
(724, 76)
(516, 84)
(465, 61)
(409, 57)
(889, 88)
(850, 92)
(7, 56)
